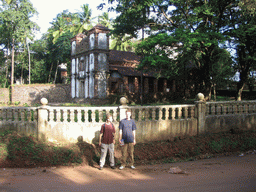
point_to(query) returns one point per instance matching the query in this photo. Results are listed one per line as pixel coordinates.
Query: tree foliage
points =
(16, 25)
(196, 33)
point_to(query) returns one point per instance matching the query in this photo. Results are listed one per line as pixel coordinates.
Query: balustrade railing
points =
(165, 112)
(230, 107)
(82, 114)
(18, 114)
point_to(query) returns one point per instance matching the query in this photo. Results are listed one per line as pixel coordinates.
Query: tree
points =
(243, 31)
(16, 24)
(83, 20)
(58, 42)
(195, 28)
(105, 20)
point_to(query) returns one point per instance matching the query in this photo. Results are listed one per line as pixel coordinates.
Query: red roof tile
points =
(123, 56)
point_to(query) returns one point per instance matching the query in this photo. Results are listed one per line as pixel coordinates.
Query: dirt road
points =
(234, 173)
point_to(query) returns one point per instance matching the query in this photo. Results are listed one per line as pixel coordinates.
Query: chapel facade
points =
(98, 72)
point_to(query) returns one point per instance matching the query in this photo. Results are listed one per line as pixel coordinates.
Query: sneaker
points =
(122, 167)
(132, 167)
(100, 168)
(112, 167)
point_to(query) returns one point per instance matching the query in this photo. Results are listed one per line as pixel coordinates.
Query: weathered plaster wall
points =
(4, 95)
(31, 94)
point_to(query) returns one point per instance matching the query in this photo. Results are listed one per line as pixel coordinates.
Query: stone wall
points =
(31, 94)
(67, 124)
(4, 95)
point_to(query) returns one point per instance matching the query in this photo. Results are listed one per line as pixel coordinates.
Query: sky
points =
(48, 10)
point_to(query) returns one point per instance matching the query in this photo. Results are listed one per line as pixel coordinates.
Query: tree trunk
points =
(55, 77)
(49, 77)
(244, 77)
(7, 71)
(29, 72)
(12, 71)
(240, 87)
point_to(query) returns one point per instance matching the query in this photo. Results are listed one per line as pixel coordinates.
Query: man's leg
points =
(124, 154)
(130, 154)
(111, 154)
(104, 151)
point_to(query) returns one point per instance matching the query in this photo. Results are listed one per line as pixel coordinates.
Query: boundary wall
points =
(70, 124)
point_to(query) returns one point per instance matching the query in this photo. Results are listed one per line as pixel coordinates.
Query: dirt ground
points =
(158, 152)
(233, 173)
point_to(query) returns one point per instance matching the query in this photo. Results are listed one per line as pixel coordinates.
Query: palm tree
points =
(105, 20)
(83, 21)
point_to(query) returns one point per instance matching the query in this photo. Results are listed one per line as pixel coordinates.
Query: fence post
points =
(201, 110)
(123, 107)
(42, 120)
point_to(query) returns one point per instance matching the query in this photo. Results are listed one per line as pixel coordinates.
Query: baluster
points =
(16, 114)
(143, 114)
(234, 106)
(79, 115)
(72, 115)
(173, 113)
(51, 114)
(93, 116)
(133, 113)
(1, 115)
(58, 115)
(139, 114)
(32, 115)
(246, 108)
(65, 115)
(254, 107)
(213, 109)
(108, 111)
(179, 112)
(218, 109)
(22, 115)
(153, 114)
(192, 112)
(240, 108)
(9, 115)
(224, 109)
(160, 114)
(115, 115)
(35, 114)
(5, 114)
(86, 116)
(249, 107)
(101, 115)
(164, 112)
(185, 112)
(230, 109)
(146, 114)
(28, 115)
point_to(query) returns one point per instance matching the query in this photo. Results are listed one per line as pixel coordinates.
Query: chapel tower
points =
(89, 63)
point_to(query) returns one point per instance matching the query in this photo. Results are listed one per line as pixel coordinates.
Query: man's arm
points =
(134, 140)
(100, 139)
(120, 135)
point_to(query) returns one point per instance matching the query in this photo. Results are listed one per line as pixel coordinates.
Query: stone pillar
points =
(200, 112)
(123, 107)
(165, 85)
(155, 85)
(136, 84)
(146, 85)
(173, 86)
(42, 120)
(126, 85)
